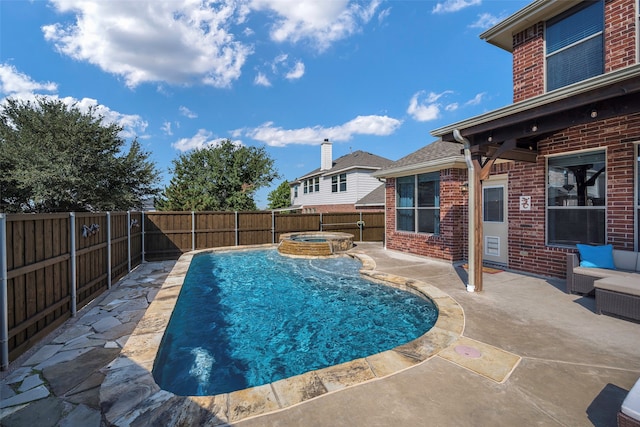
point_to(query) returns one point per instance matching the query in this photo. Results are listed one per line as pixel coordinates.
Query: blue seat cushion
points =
(596, 256)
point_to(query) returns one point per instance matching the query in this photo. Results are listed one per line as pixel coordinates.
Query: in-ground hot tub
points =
(315, 243)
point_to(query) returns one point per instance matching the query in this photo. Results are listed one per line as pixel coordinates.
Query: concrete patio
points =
(574, 367)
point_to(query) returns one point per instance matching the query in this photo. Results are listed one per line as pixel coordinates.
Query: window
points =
(493, 204)
(295, 191)
(418, 203)
(575, 45)
(311, 185)
(638, 197)
(576, 204)
(339, 183)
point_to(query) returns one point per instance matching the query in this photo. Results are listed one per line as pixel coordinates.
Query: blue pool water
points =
(245, 319)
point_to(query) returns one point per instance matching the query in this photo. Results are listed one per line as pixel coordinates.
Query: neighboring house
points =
(343, 185)
(557, 167)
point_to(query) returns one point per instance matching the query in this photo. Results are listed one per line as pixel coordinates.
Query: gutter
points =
(473, 262)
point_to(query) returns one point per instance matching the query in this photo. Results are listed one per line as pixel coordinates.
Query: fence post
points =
(142, 231)
(108, 250)
(129, 241)
(321, 221)
(237, 232)
(72, 225)
(273, 227)
(360, 226)
(193, 231)
(4, 303)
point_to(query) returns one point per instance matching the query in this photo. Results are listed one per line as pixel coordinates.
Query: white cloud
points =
(487, 20)
(200, 140)
(296, 72)
(476, 100)
(361, 125)
(449, 6)
(20, 86)
(451, 107)
(383, 15)
(178, 42)
(427, 110)
(187, 113)
(262, 80)
(166, 128)
(16, 84)
(132, 124)
(320, 22)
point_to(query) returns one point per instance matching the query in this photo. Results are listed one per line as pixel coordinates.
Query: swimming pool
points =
(244, 319)
(129, 391)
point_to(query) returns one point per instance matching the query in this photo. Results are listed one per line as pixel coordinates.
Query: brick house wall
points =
(527, 241)
(450, 244)
(529, 49)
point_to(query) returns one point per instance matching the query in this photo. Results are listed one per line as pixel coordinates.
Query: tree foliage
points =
(55, 158)
(223, 177)
(280, 197)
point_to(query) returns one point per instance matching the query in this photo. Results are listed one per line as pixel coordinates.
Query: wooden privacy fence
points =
(51, 265)
(167, 235)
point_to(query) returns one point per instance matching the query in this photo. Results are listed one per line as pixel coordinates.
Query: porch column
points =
(475, 225)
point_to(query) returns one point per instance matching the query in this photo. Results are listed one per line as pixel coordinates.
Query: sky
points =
(179, 75)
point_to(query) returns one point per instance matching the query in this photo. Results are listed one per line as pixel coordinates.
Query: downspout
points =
(471, 253)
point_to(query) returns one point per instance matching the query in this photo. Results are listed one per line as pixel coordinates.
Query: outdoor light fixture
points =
(594, 114)
(534, 128)
(464, 186)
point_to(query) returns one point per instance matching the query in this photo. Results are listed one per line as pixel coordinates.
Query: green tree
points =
(55, 158)
(223, 177)
(280, 197)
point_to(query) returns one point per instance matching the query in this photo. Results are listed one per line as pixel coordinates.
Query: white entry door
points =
(495, 223)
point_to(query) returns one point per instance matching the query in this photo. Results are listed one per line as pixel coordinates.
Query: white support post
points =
(193, 231)
(108, 250)
(72, 225)
(4, 303)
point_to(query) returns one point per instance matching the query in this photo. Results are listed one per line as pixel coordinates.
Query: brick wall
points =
(529, 51)
(620, 34)
(451, 244)
(527, 248)
(528, 63)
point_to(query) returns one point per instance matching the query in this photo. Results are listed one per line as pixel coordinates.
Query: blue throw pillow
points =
(596, 256)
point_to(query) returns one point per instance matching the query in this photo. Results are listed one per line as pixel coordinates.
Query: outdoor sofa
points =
(629, 414)
(613, 275)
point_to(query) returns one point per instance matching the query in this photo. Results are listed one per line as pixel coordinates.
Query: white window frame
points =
(415, 208)
(339, 183)
(546, 200)
(636, 198)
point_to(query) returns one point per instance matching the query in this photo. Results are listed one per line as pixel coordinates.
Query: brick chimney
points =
(326, 156)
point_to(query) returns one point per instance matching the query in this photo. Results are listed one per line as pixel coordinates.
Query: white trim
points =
(422, 167)
(568, 153)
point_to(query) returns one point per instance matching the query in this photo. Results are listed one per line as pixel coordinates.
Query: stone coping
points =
(129, 393)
